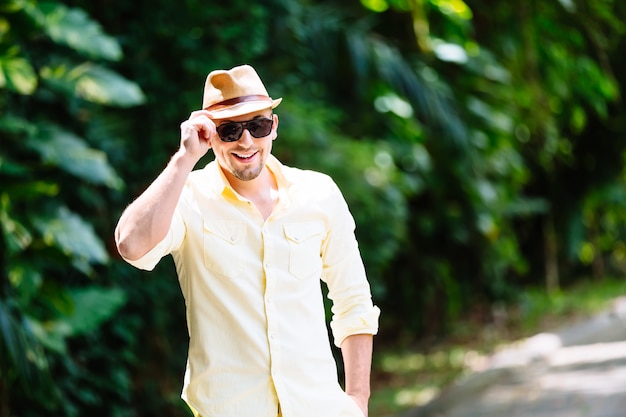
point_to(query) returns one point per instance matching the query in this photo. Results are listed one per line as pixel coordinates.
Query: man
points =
(251, 238)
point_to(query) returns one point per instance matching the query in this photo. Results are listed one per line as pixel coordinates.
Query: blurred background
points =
(480, 146)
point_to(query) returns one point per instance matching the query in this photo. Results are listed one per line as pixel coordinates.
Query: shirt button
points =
(267, 264)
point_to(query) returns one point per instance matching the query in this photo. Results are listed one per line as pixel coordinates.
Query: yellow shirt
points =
(255, 312)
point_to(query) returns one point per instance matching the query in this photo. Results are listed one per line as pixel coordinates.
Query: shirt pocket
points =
(305, 245)
(222, 248)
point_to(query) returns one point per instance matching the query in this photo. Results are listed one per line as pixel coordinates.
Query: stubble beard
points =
(248, 173)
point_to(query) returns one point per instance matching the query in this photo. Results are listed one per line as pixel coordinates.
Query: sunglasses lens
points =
(230, 132)
(260, 128)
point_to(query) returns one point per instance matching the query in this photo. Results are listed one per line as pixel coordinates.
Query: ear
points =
(275, 127)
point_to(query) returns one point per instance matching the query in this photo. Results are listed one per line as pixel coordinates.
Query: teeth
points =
(244, 156)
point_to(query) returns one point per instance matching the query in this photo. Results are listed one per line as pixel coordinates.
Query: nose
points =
(246, 139)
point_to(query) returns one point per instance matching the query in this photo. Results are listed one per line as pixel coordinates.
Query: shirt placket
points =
(271, 313)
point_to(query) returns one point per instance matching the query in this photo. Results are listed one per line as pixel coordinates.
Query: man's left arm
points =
(356, 351)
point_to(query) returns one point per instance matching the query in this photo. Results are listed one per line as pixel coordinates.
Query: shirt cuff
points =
(365, 322)
(154, 255)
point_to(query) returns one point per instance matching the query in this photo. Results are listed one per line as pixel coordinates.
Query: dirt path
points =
(575, 372)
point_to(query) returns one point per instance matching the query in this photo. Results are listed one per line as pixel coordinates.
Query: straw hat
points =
(230, 93)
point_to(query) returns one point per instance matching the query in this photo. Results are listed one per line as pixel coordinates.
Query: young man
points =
(251, 239)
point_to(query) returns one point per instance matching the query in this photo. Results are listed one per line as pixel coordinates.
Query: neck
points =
(260, 185)
(261, 191)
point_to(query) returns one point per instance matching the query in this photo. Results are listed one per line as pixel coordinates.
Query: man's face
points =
(245, 158)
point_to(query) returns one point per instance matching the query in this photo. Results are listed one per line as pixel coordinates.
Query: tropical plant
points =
(52, 81)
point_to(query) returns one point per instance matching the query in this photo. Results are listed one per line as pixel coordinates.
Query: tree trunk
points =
(597, 263)
(4, 397)
(551, 255)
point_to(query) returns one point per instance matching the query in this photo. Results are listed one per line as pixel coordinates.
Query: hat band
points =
(238, 100)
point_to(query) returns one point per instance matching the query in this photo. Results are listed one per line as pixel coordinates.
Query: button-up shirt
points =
(254, 303)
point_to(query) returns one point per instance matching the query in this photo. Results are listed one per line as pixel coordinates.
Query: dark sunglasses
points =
(232, 131)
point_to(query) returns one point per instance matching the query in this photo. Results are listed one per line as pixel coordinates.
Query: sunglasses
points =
(232, 131)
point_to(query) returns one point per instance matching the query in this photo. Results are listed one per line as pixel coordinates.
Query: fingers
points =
(199, 122)
(197, 133)
(200, 113)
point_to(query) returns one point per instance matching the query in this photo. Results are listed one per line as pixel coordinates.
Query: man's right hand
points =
(197, 134)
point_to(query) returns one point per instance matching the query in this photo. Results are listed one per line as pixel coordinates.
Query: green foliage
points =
(93, 83)
(22, 357)
(17, 74)
(75, 29)
(474, 143)
(73, 236)
(49, 249)
(82, 311)
(70, 153)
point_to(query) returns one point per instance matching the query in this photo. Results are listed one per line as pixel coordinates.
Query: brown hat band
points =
(238, 100)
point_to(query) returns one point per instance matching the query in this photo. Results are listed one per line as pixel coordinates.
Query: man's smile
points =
(245, 157)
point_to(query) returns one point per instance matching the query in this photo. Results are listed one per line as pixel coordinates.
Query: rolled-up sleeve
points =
(170, 243)
(353, 311)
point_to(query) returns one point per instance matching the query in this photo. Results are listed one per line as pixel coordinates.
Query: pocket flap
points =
(301, 231)
(228, 230)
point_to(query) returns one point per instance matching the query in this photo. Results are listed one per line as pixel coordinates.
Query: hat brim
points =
(240, 109)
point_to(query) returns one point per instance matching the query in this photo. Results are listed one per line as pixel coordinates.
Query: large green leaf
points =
(16, 125)
(74, 28)
(93, 83)
(70, 153)
(74, 237)
(17, 74)
(92, 307)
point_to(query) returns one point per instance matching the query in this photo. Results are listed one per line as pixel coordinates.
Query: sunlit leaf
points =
(375, 5)
(94, 83)
(456, 8)
(17, 237)
(74, 28)
(10, 6)
(74, 237)
(17, 74)
(70, 153)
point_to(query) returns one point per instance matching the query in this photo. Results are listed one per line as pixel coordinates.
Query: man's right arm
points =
(146, 221)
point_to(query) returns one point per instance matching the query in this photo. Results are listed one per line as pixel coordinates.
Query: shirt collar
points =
(223, 186)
